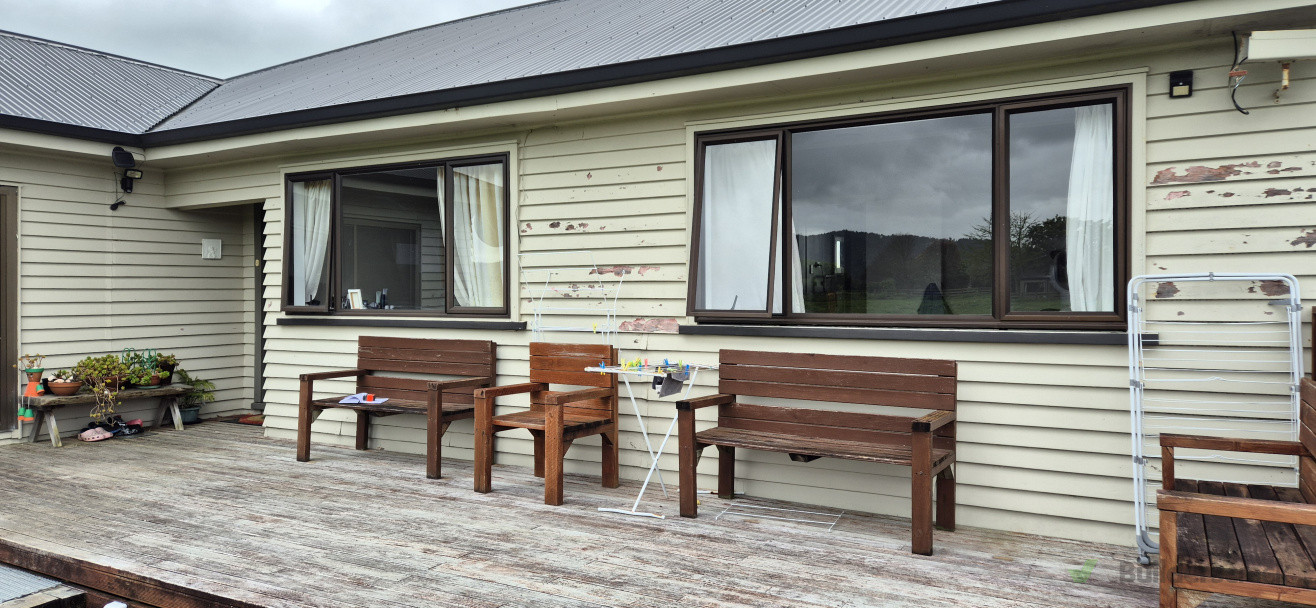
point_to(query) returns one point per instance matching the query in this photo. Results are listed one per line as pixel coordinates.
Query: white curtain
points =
(310, 212)
(477, 235)
(736, 226)
(1089, 226)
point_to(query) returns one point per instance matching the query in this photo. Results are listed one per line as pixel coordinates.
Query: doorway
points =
(9, 304)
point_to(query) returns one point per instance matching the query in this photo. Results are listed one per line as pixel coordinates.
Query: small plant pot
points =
(155, 380)
(64, 389)
(168, 368)
(34, 375)
(114, 383)
(191, 415)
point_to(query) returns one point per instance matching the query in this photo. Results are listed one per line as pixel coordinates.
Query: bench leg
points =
(53, 428)
(688, 461)
(434, 428)
(538, 437)
(483, 445)
(611, 460)
(946, 499)
(1169, 541)
(726, 472)
(362, 430)
(36, 425)
(921, 494)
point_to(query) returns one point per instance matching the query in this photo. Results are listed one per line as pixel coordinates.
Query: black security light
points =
(123, 159)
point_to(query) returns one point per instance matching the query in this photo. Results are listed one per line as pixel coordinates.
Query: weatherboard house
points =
(970, 180)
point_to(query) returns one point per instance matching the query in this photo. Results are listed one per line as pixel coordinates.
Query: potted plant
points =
(106, 370)
(63, 383)
(203, 392)
(166, 364)
(31, 365)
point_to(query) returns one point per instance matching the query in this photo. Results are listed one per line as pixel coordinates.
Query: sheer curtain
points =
(1089, 225)
(736, 227)
(477, 235)
(310, 212)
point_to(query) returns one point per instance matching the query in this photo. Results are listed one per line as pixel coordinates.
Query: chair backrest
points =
(565, 364)
(915, 383)
(1307, 435)
(428, 356)
(925, 384)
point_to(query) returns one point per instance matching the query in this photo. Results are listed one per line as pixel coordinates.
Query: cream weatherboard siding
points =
(1043, 433)
(95, 281)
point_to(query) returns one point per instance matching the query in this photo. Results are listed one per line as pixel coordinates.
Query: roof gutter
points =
(20, 123)
(893, 32)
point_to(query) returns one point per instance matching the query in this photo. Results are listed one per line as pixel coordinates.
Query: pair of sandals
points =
(110, 428)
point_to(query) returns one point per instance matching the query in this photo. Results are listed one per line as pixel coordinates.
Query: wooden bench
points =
(44, 407)
(440, 401)
(1246, 540)
(925, 443)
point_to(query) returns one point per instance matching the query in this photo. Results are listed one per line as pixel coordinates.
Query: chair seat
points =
(397, 406)
(1245, 549)
(811, 446)
(534, 420)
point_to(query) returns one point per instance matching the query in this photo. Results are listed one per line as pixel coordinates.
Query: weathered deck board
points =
(222, 510)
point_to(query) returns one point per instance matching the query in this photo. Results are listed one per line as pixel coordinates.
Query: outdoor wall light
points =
(123, 159)
(1181, 83)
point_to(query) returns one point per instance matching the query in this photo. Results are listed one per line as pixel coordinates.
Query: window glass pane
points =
(477, 234)
(392, 240)
(736, 226)
(1062, 253)
(893, 218)
(311, 213)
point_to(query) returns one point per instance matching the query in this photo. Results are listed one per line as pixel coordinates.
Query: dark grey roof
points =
(535, 40)
(540, 49)
(49, 81)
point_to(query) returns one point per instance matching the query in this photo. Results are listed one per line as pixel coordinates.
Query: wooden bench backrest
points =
(925, 384)
(552, 363)
(1307, 435)
(430, 356)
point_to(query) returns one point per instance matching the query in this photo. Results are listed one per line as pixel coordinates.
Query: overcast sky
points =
(224, 38)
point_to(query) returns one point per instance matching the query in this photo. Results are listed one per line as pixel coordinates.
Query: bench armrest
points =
(580, 395)
(698, 402)
(440, 385)
(342, 373)
(510, 389)
(1229, 444)
(933, 421)
(1233, 506)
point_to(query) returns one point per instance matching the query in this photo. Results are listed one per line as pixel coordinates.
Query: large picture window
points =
(421, 238)
(1005, 214)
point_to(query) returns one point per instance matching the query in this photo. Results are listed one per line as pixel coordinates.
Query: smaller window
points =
(423, 238)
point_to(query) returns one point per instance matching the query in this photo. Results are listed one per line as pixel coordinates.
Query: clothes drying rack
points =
(1211, 354)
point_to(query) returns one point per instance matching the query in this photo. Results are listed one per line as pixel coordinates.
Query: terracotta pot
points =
(155, 380)
(64, 389)
(34, 375)
(114, 383)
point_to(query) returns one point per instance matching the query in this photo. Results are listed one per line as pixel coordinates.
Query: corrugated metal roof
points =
(546, 38)
(15, 583)
(44, 80)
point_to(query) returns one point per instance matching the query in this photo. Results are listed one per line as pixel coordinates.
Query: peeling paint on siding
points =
(1166, 290)
(1308, 238)
(1177, 194)
(1199, 173)
(651, 326)
(622, 270)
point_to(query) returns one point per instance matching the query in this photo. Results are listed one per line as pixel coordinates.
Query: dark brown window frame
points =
(329, 307)
(1001, 317)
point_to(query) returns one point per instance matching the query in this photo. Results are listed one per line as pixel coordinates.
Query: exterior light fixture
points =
(123, 159)
(1181, 84)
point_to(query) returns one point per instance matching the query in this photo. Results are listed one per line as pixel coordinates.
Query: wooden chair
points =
(555, 418)
(925, 443)
(440, 401)
(1249, 540)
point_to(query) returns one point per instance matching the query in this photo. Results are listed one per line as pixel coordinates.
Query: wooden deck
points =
(221, 510)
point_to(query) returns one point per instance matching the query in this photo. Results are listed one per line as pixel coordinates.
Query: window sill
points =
(354, 321)
(999, 336)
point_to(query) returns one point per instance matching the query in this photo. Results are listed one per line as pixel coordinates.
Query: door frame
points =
(9, 339)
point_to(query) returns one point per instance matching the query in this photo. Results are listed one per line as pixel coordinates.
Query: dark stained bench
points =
(440, 401)
(1236, 539)
(924, 443)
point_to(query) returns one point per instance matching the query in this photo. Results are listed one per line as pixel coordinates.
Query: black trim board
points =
(891, 32)
(994, 336)
(348, 321)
